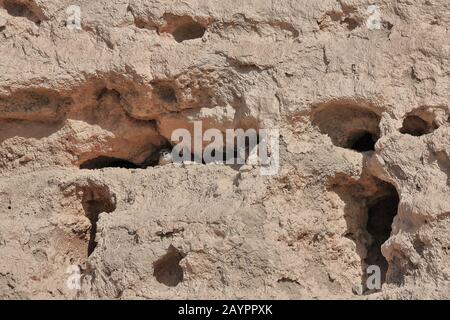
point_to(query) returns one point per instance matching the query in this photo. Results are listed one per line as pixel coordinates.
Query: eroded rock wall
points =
(360, 96)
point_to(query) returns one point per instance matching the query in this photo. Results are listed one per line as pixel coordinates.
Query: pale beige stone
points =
(136, 70)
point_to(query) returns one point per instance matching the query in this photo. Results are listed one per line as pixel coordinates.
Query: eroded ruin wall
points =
(359, 91)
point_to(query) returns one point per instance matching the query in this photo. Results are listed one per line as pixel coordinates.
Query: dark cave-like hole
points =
(96, 200)
(108, 162)
(415, 126)
(167, 269)
(166, 93)
(351, 23)
(348, 124)
(387, 25)
(380, 215)
(362, 142)
(189, 31)
(18, 9)
(92, 214)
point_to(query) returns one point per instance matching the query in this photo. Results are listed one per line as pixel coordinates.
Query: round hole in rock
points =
(96, 200)
(167, 269)
(166, 93)
(189, 31)
(108, 162)
(20, 9)
(362, 142)
(348, 124)
(415, 126)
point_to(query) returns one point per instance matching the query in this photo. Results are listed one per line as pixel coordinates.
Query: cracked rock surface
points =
(364, 119)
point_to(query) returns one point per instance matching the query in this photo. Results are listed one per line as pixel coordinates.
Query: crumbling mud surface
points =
(364, 120)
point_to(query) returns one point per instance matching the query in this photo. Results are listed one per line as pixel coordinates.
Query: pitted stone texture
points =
(136, 70)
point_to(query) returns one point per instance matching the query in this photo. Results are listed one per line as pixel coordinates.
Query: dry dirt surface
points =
(360, 95)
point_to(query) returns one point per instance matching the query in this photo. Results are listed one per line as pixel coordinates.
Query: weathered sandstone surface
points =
(359, 93)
